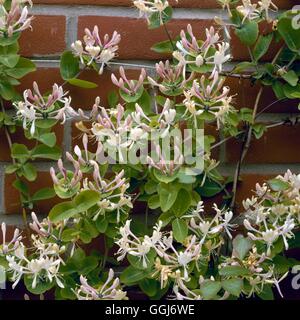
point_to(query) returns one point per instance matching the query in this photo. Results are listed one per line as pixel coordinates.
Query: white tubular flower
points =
(148, 7)
(110, 290)
(15, 20)
(94, 50)
(220, 57)
(12, 244)
(45, 266)
(208, 95)
(130, 244)
(248, 10)
(268, 223)
(210, 52)
(36, 106)
(207, 228)
(265, 6)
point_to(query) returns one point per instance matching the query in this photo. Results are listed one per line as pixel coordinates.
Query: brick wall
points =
(59, 22)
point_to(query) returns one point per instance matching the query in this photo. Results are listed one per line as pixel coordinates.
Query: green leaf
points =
(87, 265)
(248, 33)
(69, 235)
(19, 151)
(262, 46)
(209, 289)
(90, 228)
(62, 211)
(291, 92)
(167, 196)
(180, 229)
(7, 41)
(242, 66)
(9, 60)
(132, 98)
(82, 83)
(291, 78)
(153, 202)
(45, 123)
(41, 286)
(150, 187)
(163, 177)
(278, 185)
(112, 98)
(182, 203)
(49, 139)
(156, 19)
(233, 286)
(45, 152)
(85, 200)
(234, 271)
(7, 91)
(149, 286)
(21, 186)
(131, 275)
(267, 293)
(145, 102)
(101, 224)
(137, 262)
(259, 129)
(43, 194)
(209, 189)
(11, 168)
(241, 246)
(23, 67)
(69, 66)
(163, 47)
(29, 171)
(288, 33)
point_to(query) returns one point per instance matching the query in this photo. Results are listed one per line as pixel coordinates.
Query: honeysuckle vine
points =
(138, 180)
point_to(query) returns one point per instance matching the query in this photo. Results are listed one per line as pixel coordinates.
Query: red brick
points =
(128, 3)
(245, 95)
(278, 145)
(12, 198)
(46, 38)
(45, 78)
(85, 98)
(137, 39)
(181, 3)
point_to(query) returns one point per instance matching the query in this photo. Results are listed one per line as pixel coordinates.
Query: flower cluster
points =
(172, 79)
(38, 107)
(110, 290)
(121, 132)
(206, 228)
(208, 97)
(13, 244)
(39, 263)
(129, 87)
(202, 56)
(171, 262)
(15, 20)
(94, 50)
(149, 7)
(258, 271)
(67, 183)
(274, 212)
(255, 11)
